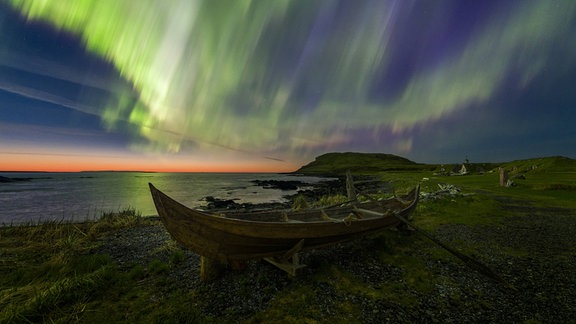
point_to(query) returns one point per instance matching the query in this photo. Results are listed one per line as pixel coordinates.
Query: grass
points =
(467, 210)
(49, 274)
(552, 189)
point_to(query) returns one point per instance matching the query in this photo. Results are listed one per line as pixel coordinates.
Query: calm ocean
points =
(86, 195)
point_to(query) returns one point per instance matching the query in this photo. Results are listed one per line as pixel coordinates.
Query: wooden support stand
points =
(290, 267)
(210, 269)
(290, 261)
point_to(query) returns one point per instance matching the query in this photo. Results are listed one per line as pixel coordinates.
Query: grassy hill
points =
(358, 163)
(546, 164)
(338, 163)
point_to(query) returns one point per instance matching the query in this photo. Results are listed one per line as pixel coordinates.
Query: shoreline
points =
(217, 205)
(46, 197)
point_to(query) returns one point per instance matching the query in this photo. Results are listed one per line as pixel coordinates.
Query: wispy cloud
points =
(82, 76)
(47, 97)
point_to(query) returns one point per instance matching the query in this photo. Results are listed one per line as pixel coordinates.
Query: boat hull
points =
(272, 234)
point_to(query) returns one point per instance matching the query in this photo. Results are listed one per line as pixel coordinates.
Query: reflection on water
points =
(79, 196)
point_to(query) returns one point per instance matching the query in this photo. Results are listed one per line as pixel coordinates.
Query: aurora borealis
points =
(268, 85)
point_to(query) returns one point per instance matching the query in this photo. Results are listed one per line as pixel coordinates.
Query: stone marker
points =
(503, 177)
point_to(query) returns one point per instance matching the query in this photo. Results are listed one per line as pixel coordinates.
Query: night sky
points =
(231, 85)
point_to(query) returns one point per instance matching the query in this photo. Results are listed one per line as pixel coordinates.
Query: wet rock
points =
(216, 203)
(6, 179)
(280, 184)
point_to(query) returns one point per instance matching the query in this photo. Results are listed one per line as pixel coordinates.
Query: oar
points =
(471, 263)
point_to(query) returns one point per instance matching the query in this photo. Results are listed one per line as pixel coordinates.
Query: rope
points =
(325, 216)
(349, 219)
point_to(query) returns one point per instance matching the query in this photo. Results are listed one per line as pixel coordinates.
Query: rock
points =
(6, 179)
(216, 203)
(503, 176)
(446, 190)
(280, 184)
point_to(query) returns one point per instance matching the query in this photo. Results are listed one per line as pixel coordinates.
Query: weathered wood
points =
(290, 261)
(294, 250)
(237, 264)
(290, 267)
(371, 213)
(350, 190)
(210, 269)
(503, 177)
(257, 235)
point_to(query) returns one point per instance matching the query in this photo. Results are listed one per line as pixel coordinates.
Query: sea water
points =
(86, 195)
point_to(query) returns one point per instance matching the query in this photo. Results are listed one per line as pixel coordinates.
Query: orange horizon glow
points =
(38, 162)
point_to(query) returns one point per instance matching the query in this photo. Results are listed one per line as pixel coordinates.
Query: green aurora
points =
(293, 78)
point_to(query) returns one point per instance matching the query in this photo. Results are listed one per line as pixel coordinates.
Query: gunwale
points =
(227, 239)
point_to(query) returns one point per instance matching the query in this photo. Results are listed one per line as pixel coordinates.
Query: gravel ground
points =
(535, 253)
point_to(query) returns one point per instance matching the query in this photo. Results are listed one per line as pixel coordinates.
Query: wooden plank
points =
(350, 190)
(289, 267)
(283, 262)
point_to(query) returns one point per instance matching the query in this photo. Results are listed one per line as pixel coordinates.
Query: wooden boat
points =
(237, 236)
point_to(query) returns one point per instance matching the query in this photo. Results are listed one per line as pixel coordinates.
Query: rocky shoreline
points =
(543, 274)
(333, 185)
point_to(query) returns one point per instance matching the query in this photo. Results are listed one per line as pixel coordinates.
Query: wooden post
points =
(350, 190)
(210, 269)
(503, 177)
(237, 264)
